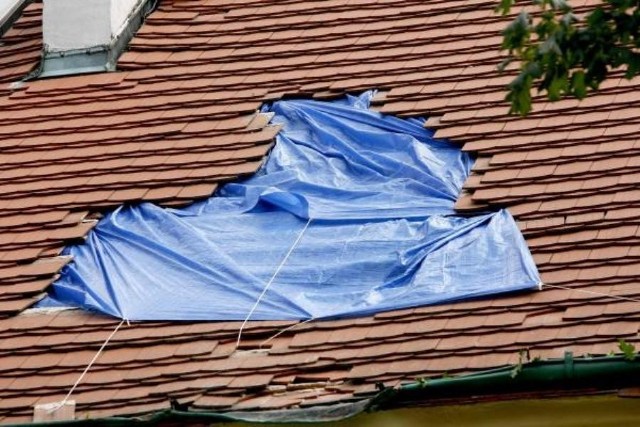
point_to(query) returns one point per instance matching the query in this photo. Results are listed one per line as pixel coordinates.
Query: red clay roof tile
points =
(182, 107)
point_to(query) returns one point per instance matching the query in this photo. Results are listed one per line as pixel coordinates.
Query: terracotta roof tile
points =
(179, 119)
(21, 45)
(213, 401)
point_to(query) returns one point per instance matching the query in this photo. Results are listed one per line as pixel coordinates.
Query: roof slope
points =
(180, 117)
(21, 46)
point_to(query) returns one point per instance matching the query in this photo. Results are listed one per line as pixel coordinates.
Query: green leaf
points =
(557, 87)
(523, 357)
(516, 371)
(533, 69)
(504, 7)
(519, 94)
(568, 19)
(517, 33)
(578, 86)
(549, 46)
(504, 64)
(564, 55)
(628, 349)
(633, 65)
(560, 5)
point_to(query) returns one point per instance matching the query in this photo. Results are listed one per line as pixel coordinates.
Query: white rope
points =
(282, 331)
(95, 357)
(275, 274)
(619, 297)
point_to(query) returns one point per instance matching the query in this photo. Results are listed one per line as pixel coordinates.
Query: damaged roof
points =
(179, 118)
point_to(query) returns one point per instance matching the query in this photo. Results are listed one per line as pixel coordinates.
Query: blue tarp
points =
(383, 233)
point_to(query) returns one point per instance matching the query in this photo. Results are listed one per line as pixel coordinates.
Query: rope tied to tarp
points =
(584, 291)
(86, 369)
(271, 280)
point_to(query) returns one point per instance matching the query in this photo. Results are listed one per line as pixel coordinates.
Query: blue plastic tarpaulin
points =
(353, 210)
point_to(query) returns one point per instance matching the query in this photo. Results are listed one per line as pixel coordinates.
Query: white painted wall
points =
(78, 24)
(120, 10)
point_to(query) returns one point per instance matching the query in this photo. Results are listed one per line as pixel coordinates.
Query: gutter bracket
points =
(568, 365)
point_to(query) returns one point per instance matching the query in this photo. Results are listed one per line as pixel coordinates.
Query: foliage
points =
(422, 382)
(563, 54)
(523, 357)
(627, 349)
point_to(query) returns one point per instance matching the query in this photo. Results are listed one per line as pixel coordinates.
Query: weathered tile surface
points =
(180, 117)
(21, 46)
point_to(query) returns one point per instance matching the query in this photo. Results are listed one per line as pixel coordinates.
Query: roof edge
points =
(600, 374)
(7, 21)
(604, 373)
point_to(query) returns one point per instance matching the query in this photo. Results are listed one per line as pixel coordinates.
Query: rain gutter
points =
(603, 373)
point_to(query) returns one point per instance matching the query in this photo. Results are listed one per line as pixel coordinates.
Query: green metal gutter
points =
(605, 373)
(586, 373)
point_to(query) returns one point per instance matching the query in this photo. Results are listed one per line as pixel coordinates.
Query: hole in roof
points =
(352, 213)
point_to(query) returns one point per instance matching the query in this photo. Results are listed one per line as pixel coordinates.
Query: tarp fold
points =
(379, 193)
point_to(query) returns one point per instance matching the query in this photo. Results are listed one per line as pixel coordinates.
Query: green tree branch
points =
(564, 55)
